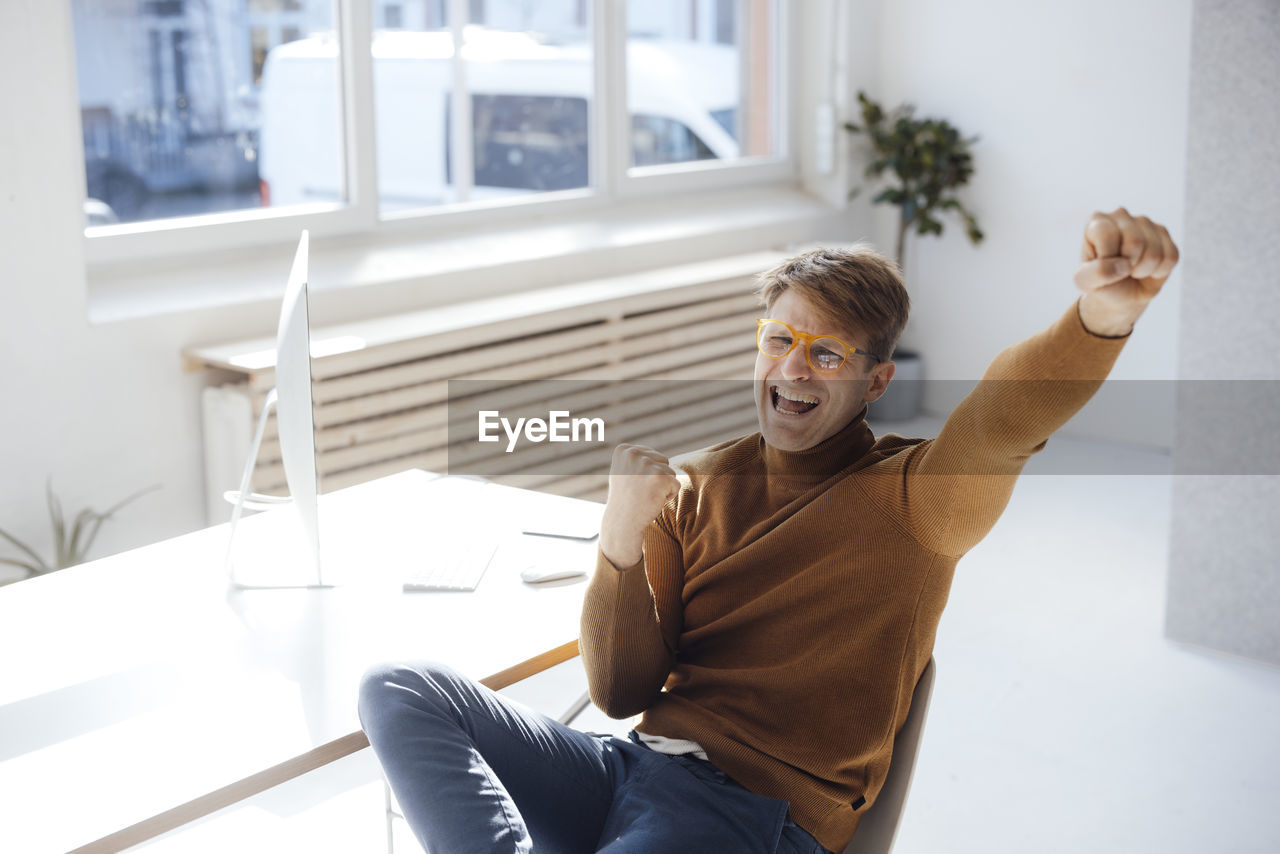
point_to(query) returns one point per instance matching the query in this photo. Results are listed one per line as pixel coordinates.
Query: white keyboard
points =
(459, 572)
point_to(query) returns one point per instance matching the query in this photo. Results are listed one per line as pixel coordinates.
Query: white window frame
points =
(612, 180)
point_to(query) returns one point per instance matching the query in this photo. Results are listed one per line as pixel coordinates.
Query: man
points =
(770, 611)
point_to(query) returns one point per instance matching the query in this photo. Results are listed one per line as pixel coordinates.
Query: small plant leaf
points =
(31, 569)
(75, 554)
(89, 522)
(129, 499)
(37, 565)
(93, 534)
(59, 527)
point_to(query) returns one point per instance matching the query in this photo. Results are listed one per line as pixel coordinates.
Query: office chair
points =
(879, 826)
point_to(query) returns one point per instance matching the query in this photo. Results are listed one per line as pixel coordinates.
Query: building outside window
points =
(198, 107)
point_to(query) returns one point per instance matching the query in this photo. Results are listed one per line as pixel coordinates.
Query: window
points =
(168, 100)
(522, 95)
(701, 80)
(229, 107)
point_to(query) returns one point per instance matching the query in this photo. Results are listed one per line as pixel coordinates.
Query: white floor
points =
(1062, 719)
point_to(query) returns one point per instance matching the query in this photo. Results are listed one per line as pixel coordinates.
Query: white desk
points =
(136, 683)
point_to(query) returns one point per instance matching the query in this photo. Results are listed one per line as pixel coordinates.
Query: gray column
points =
(1224, 561)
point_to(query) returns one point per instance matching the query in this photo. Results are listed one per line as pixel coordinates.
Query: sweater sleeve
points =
(631, 620)
(958, 484)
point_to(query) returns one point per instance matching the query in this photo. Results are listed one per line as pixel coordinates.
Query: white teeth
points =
(796, 396)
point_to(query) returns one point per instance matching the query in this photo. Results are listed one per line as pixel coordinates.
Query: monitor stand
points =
(280, 548)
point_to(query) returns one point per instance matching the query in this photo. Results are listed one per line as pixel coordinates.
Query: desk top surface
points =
(134, 683)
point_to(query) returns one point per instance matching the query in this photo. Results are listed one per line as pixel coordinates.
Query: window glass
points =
(194, 107)
(727, 119)
(529, 142)
(526, 80)
(700, 80)
(656, 140)
(173, 102)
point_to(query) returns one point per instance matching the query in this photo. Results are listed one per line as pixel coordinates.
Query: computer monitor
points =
(290, 557)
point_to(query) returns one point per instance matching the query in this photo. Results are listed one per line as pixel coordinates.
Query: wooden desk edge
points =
(318, 757)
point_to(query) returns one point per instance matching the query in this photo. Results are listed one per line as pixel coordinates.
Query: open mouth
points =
(792, 402)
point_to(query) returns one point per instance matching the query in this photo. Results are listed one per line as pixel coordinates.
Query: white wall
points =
(1081, 105)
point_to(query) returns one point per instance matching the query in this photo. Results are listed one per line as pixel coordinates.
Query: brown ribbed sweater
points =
(787, 603)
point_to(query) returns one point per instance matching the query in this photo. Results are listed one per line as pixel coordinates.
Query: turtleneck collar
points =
(824, 459)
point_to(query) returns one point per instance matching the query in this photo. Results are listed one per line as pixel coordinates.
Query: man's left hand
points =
(1124, 264)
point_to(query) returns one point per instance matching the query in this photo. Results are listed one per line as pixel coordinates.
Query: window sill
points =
(397, 271)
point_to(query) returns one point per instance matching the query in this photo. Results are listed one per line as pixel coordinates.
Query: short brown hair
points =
(856, 286)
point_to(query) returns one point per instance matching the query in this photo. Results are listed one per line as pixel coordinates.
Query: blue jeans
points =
(475, 772)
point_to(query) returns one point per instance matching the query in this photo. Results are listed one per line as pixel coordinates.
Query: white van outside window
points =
(530, 105)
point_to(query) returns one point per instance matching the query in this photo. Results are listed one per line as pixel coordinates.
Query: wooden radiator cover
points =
(381, 386)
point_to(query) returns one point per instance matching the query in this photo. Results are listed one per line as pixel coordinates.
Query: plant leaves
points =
(98, 519)
(892, 195)
(59, 527)
(929, 156)
(926, 224)
(75, 554)
(133, 497)
(40, 565)
(72, 544)
(32, 570)
(87, 524)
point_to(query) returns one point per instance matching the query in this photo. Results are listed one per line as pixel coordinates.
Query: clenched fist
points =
(1124, 264)
(641, 481)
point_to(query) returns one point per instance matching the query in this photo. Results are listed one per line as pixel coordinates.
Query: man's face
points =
(799, 407)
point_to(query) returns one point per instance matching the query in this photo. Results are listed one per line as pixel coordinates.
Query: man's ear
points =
(880, 376)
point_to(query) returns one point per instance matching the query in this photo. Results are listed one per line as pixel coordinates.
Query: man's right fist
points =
(641, 481)
(1123, 265)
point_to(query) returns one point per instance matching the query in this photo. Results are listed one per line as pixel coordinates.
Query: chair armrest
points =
(530, 667)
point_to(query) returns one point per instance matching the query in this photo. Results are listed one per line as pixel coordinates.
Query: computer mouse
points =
(542, 573)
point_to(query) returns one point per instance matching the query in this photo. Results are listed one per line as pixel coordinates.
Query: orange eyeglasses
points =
(824, 353)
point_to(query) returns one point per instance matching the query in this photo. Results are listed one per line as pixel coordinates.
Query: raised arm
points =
(631, 614)
(1034, 387)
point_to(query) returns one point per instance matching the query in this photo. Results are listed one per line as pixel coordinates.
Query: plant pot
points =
(901, 400)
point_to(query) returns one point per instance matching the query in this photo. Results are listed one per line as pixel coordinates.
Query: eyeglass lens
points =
(776, 340)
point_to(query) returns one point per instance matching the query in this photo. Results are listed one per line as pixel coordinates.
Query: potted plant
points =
(927, 160)
(71, 541)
